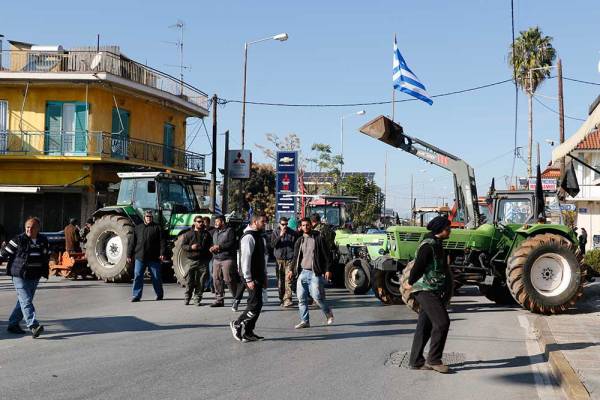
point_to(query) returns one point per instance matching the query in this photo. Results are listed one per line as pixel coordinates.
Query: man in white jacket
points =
(254, 274)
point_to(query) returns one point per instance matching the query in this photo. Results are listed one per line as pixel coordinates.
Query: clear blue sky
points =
(341, 52)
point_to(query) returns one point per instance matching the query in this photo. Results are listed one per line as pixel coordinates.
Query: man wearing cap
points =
(430, 282)
(148, 246)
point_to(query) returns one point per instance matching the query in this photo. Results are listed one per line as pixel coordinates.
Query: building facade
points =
(71, 119)
(585, 145)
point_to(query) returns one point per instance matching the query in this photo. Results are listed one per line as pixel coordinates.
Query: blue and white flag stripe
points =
(405, 80)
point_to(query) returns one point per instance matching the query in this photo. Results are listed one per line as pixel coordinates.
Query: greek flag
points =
(405, 80)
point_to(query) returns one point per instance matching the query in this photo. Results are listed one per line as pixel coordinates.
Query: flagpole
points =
(393, 93)
(393, 103)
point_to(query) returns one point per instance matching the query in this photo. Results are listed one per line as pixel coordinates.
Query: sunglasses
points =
(199, 221)
(283, 224)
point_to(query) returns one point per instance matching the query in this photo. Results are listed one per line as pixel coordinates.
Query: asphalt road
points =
(98, 345)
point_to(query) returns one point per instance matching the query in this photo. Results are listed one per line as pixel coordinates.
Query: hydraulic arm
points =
(465, 188)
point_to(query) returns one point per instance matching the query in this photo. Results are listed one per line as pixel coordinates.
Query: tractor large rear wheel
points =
(180, 262)
(543, 274)
(106, 248)
(386, 285)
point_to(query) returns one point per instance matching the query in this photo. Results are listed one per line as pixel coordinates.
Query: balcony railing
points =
(103, 61)
(98, 144)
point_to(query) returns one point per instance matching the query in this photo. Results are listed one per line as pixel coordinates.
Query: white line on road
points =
(541, 371)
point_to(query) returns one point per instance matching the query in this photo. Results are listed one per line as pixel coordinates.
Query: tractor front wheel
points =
(543, 274)
(386, 285)
(180, 262)
(498, 292)
(357, 276)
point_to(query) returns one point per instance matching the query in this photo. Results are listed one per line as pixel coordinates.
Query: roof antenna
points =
(179, 25)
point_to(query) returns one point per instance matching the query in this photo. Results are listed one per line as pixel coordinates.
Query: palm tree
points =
(531, 59)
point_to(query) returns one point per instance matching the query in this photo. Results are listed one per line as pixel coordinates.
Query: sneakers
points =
(235, 305)
(287, 304)
(330, 318)
(36, 331)
(441, 368)
(253, 336)
(16, 329)
(236, 331)
(159, 298)
(135, 299)
(302, 325)
(218, 304)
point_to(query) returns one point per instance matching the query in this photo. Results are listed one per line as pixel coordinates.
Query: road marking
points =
(545, 388)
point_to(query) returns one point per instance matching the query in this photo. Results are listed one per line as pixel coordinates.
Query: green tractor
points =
(513, 256)
(171, 198)
(356, 251)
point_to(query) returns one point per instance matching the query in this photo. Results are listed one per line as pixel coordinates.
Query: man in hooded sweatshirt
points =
(254, 275)
(430, 282)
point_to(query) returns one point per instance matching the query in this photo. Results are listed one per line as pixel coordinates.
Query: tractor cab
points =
(331, 212)
(167, 195)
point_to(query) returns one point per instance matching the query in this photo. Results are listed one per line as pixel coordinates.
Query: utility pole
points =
(213, 173)
(225, 197)
(385, 187)
(561, 114)
(412, 210)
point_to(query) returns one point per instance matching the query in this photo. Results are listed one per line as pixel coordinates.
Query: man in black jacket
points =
(148, 246)
(196, 243)
(27, 256)
(254, 270)
(282, 241)
(224, 250)
(311, 262)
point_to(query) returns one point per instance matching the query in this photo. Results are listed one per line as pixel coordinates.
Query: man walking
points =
(282, 241)
(224, 250)
(148, 246)
(430, 283)
(254, 272)
(196, 243)
(311, 262)
(72, 237)
(27, 256)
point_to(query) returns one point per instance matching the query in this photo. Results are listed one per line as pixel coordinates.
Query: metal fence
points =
(102, 61)
(98, 144)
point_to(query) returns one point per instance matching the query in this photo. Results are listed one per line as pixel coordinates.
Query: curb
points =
(561, 369)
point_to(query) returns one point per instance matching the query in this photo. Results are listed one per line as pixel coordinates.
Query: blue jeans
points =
(24, 308)
(209, 281)
(315, 285)
(138, 278)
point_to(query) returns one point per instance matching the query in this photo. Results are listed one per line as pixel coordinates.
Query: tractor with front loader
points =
(173, 201)
(512, 256)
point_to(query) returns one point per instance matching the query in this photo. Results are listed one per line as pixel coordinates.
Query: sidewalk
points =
(571, 343)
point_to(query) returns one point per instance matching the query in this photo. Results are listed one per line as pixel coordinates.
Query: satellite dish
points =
(96, 61)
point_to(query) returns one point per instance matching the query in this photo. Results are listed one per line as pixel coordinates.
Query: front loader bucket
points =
(385, 130)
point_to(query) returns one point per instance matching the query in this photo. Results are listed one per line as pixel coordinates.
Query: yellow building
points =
(71, 119)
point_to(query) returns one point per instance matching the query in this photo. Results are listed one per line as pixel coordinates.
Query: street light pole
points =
(282, 37)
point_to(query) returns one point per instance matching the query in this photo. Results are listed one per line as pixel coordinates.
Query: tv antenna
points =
(179, 25)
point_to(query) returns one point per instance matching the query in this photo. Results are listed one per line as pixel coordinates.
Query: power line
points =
(581, 81)
(554, 111)
(373, 103)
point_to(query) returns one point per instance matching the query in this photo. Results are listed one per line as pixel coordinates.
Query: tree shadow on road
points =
(61, 329)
